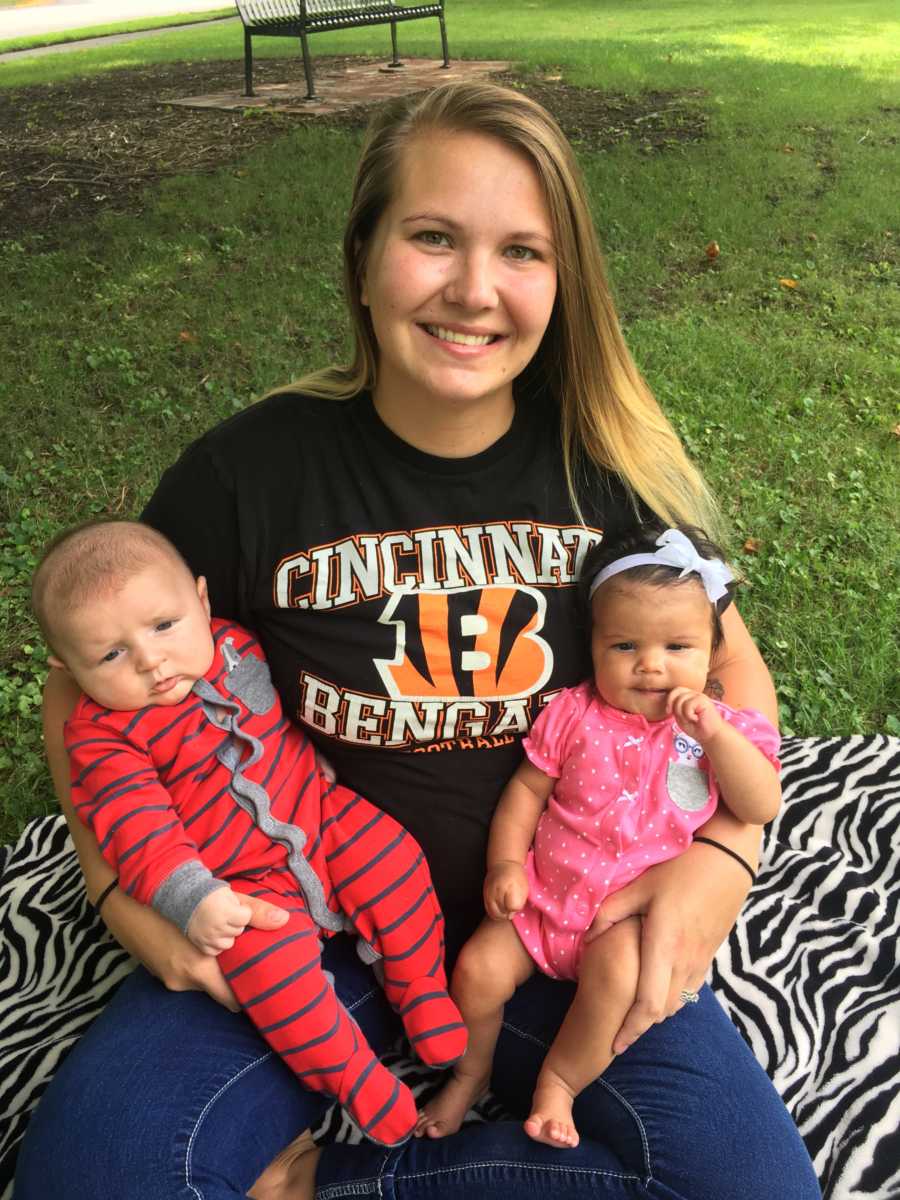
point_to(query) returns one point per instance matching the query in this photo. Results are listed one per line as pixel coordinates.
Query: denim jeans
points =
(169, 1096)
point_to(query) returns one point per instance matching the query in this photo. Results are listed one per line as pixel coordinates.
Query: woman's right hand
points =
(164, 951)
(168, 955)
(147, 936)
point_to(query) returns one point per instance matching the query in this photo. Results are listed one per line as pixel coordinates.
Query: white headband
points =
(675, 551)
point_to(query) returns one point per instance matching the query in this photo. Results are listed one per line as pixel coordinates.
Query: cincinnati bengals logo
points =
(473, 643)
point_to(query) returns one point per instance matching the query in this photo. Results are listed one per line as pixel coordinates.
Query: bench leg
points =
(395, 64)
(307, 67)
(444, 42)
(248, 64)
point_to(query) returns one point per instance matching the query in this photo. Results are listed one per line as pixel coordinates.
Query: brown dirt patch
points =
(71, 150)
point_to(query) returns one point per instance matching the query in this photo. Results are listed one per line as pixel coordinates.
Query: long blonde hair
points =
(608, 415)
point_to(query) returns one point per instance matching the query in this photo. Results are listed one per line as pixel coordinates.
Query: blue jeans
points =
(169, 1096)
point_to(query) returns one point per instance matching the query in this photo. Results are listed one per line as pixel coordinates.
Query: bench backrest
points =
(258, 10)
(329, 6)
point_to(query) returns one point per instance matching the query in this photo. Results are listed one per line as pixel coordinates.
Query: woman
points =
(403, 535)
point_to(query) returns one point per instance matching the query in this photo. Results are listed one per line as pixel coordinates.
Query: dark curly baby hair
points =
(642, 539)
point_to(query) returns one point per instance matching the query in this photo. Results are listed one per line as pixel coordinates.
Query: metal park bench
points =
(298, 18)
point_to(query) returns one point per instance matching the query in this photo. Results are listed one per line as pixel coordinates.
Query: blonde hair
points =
(608, 416)
(91, 560)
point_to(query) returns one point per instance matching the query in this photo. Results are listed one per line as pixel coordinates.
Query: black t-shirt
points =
(417, 612)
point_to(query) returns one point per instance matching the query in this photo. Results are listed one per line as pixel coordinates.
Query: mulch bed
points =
(70, 151)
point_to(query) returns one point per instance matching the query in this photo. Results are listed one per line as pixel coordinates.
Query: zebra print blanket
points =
(810, 974)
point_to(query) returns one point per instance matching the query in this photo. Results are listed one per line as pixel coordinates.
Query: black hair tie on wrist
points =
(99, 902)
(731, 854)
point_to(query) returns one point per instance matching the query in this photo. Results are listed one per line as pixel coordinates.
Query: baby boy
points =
(200, 791)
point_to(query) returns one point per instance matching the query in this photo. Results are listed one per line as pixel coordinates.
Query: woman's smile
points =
(460, 337)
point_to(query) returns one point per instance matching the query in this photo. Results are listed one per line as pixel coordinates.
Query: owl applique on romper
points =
(629, 793)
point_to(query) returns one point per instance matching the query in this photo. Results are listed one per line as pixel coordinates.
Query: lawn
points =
(128, 333)
(91, 31)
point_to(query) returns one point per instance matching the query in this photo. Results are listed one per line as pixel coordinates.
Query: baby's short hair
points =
(642, 539)
(92, 560)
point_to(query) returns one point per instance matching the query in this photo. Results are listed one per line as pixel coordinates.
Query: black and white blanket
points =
(810, 974)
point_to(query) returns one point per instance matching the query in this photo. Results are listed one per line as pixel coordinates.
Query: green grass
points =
(96, 31)
(137, 333)
(635, 44)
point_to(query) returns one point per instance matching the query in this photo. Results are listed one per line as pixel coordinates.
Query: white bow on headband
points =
(675, 550)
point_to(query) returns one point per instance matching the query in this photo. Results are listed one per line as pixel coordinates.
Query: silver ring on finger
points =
(689, 997)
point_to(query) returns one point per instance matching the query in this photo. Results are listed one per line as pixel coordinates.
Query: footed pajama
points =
(222, 790)
(379, 880)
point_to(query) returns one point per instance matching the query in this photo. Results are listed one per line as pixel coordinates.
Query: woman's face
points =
(460, 278)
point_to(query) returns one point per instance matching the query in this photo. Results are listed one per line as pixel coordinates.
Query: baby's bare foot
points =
(445, 1113)
(551, 1117)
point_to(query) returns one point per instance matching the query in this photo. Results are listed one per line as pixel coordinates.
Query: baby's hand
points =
(695, 713)
(217, 920)
(505, 890)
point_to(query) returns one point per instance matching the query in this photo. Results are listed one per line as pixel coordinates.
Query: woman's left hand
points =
(688, 905)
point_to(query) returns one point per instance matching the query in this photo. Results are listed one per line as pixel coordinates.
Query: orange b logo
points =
(473, 643)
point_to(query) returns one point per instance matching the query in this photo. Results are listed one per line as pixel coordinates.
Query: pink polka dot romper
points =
(630, 793)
